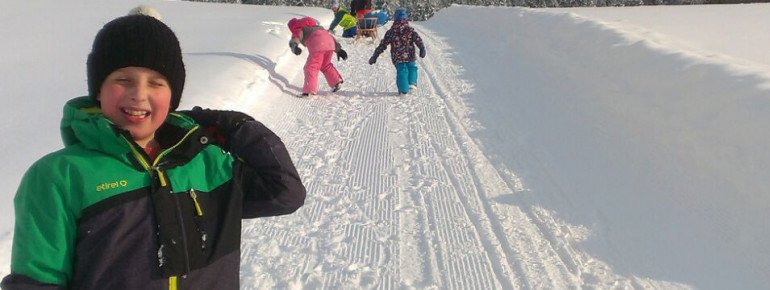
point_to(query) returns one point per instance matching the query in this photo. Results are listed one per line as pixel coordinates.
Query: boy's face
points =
(136, 99)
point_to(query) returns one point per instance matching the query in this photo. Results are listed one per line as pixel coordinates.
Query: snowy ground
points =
(560, 148)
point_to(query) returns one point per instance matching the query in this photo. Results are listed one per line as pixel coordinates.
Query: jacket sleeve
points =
(44, 234)
(337, 18)
(270, 182)
(337, 45)
(417, 40)
(384, 43)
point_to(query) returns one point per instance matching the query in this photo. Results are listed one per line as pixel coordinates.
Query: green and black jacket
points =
(99, 214)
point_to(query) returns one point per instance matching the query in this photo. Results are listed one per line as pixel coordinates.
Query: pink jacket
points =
(313, 36)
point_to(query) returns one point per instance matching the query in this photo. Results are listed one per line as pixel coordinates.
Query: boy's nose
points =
(140, 93)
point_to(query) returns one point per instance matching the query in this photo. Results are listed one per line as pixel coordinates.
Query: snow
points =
(544, 148)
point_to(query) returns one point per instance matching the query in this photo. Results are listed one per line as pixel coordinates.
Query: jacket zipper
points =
(180, 216)
(154, 167)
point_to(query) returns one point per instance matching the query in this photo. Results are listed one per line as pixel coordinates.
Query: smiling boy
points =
(125, 100)
(142, 197)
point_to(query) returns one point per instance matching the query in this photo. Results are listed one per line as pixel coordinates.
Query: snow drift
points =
(659, 150)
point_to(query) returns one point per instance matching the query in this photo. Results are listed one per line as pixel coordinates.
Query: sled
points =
(367, 27)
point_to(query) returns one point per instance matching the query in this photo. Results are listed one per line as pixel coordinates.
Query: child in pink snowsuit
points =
(321, 46)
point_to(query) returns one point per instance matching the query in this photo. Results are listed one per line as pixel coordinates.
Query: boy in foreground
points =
(142, 197)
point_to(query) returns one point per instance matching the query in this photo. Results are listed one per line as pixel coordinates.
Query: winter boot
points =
(337, 86)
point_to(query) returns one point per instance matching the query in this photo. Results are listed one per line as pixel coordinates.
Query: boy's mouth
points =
(133, 113)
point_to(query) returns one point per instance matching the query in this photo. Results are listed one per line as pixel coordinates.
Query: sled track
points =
(399, 195)
(509, 256)
(466, 241)
(528, 240)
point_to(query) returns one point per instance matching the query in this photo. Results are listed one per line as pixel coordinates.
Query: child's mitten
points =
(219, 124)
(342, 54)
(295, 48)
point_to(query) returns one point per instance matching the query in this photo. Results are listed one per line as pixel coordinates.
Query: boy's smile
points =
(137, 99)
(135, 115)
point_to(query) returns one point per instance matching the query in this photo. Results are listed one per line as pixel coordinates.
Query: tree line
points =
(424, 9)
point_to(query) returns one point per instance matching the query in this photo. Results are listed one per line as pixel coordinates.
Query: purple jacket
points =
(402, 38)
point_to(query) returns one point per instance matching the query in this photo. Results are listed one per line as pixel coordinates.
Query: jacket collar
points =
(83, 123)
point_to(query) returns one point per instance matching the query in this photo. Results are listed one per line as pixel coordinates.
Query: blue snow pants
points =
(349, 33)
(406, 74)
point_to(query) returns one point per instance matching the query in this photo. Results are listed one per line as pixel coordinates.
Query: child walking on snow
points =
(321, 45)
(142, 197)
(402, 38)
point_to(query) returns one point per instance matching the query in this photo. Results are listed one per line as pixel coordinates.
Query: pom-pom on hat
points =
(400, 14)
(146, 10)
(140, 41)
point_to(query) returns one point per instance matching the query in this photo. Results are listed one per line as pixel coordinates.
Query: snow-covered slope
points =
(559, 148)
(657, 149)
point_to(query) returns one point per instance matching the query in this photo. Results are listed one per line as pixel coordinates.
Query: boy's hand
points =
(341, 53)
(221, 124)
(373, 59)
(422, 52)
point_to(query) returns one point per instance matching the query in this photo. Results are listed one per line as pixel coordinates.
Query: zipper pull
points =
(198, 224)
(161, 177)
(198, 208)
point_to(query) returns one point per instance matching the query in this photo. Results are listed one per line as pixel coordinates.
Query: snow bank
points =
(661, 151)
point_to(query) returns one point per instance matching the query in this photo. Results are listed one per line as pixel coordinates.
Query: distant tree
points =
(424, 9)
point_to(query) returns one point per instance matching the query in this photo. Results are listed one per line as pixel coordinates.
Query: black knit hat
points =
(141, 41)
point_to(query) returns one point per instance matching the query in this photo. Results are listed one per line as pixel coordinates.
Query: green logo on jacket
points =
(112, 185)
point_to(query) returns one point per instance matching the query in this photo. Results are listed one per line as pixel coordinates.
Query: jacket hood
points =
(296, 24)
(341, 8)
(399, 26)
(400, 14)
(83, 123)
(401, 22)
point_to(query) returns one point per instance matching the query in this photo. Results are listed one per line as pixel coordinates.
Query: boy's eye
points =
(158, 83)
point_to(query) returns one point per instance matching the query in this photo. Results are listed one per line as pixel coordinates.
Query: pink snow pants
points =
(320, 61)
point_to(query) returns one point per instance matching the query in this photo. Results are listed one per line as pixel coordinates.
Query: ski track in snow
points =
(389, 176)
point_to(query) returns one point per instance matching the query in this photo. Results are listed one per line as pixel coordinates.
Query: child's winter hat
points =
(400, 14)
(296, 25)
(141, 41)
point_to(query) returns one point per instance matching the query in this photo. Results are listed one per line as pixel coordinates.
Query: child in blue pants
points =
(406, 76)
(402, 39)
